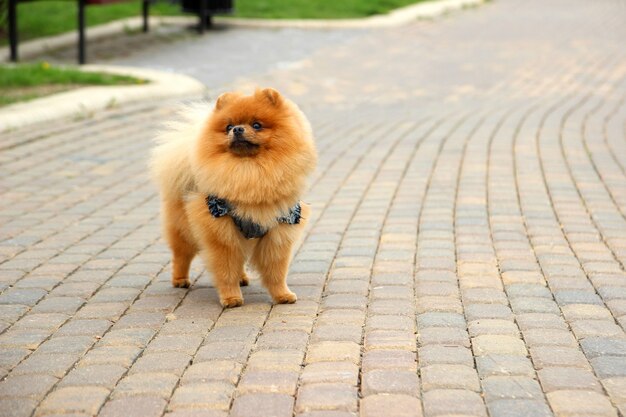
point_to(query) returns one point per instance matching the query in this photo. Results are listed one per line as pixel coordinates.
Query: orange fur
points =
(262, 172)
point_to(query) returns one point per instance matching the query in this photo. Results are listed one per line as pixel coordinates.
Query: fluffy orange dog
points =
(230, 182)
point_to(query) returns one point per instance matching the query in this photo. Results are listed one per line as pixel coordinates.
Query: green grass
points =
(27, 81)
(51, 17)
(316, 9)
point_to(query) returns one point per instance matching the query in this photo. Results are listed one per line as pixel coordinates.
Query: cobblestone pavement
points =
(465, 256)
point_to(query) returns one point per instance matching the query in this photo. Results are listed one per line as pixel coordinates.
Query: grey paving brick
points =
(46, 364)
(519, 408)
(449, 377)
(86, 400)
(453, 401)
(210, 395)
(511, 387)
(390, 381)
(566, 378)
(388, 359)
(504, 365)
(326, 396)
(26, 386)
(601, 346)
(444, 354)
(268, 382)
(580, 402)
(133, 407)
(390, 404)
(341, 372)
(333, 351)
(157, 384)
(274, 405)
(101, 375)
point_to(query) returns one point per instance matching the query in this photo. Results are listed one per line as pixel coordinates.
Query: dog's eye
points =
(229, 128)
(256, 126)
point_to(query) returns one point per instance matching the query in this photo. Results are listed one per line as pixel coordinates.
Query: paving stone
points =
(540, 321)
(443, 336)
(333, 351)
(170, 362)
(609, 366)
(596, 328)
(444, 354)
(538, 337)
(73, 399)
(211, 395)
(66, 344)
(580, 402)
(390, 404)
(488, 311)
(18, 407)
(223, 351)
(504, 365)
(326, 396)
(282, 340)
(84, 327)
(602, 346)
(392, 381)
(279, 360)
(157, 384)
(127, 337)
(440, 320)
(273, 405)
(101, 375)
(499, 345)
(48, 364)
(519, 408)
(565, 378)
(340, 372)
(546, 356)
(388, 359)
(389, 339)
(449, 377)
(511, 387)
(441, 402)
(133, 407)
(187, 344)
(46, 321)
(118, 355)
(493, 327)
(228, 371)
(26, 386)
(268, 382)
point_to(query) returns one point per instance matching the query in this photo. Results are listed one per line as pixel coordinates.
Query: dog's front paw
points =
(181, 282)
(230, 302)
(286, 298)
(244, 281)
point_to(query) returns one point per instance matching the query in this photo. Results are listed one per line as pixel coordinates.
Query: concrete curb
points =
(84, 101)
(397, 17)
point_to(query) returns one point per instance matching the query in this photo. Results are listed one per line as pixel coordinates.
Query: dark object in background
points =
(205, 9)
(13, 37)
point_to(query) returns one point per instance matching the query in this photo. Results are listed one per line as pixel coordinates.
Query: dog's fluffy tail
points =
(170, 164)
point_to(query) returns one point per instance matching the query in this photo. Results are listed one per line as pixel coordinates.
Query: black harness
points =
(219, 207)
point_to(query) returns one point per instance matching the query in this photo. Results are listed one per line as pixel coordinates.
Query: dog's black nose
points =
(238, 130)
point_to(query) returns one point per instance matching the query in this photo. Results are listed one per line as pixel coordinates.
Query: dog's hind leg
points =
(180, 239)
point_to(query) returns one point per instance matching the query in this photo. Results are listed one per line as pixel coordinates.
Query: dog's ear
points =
(270, 95)
(223, 99)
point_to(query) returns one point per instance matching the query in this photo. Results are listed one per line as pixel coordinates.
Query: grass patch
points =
(316, 9)
(52, 17)
(29, 81)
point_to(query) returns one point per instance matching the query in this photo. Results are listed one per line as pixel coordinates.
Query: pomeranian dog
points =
(231, 179)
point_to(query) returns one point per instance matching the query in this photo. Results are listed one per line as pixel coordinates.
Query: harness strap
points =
(218, 207)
